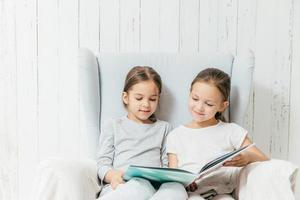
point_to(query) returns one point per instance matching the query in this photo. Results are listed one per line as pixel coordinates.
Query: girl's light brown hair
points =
(219, 79)
(139, 74)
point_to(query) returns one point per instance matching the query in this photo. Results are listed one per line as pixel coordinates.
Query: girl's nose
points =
(146, 104)
(200, 106)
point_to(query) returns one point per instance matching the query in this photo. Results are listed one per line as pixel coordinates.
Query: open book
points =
(163, 174)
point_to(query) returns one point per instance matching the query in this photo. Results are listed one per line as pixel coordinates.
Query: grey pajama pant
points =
(141, 189)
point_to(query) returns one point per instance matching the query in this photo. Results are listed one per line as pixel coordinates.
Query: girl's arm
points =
(105, 156)
(164, 156)
(173, 162)
(253, 154)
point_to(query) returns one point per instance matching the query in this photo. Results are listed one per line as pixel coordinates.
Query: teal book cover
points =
(162, 175)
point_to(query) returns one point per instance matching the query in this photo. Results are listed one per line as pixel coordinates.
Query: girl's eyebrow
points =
(208, 100)
(138, 94)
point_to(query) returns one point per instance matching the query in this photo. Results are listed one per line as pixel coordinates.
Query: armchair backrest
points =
(102, 79)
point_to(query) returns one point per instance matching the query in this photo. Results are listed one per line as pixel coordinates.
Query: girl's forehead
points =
(144, 87)
(204, 89)
(204, 86)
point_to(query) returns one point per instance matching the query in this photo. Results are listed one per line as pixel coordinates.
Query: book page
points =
(218, 162)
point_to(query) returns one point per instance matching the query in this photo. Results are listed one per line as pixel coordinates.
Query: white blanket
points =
(77, 180)
(274, 180)
(59, 179)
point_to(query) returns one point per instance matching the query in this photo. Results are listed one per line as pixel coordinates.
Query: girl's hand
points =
(192, 187)
(115, 178)
(239, 160)
(253, 154)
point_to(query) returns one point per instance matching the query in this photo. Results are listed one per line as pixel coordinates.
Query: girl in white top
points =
(208, 136)
(136, 139)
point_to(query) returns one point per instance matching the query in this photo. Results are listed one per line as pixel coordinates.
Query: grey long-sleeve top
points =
(124, 142)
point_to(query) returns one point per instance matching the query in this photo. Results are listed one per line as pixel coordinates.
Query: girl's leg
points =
(135, 189)
(223, 197)
(170, 191)
(195, 196)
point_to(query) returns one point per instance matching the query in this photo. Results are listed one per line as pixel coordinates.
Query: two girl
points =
(140, 139)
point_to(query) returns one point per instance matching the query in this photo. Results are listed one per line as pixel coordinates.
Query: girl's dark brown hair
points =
(219, 79)
(139, 74)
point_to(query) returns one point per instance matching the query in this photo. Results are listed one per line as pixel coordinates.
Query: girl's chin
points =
(198, 118)
(143, 117)
(198, 121)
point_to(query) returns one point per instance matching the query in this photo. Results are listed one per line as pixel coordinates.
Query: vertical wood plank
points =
(264, 62)
(169, 25)
(68, 91)
(294, 138)
(272, 85)
(150, 14)
(27, 123)
(281, 81)
(48, 80)
(109, 26)
(246, 26)
(227, 25)
(129, 26)
(189, 26)
(246, 29)
(8, 102)
(208, 25)
(89, 24)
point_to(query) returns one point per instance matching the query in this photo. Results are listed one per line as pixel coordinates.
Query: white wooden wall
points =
(39, 104)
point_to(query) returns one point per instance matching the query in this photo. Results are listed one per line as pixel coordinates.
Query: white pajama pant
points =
(218, 197)
(141, 189)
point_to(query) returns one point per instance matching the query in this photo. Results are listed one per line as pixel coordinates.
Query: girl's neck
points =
(133, 119)
(204, 124)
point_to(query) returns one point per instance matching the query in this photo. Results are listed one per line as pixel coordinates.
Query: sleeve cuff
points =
(102, 172)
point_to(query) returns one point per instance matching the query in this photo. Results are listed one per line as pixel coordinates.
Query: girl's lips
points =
(197, 113)
(145, 111)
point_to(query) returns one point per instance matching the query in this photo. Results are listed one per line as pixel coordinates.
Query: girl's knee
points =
(136, 188)
(171, 191)
(223, 197)
(195, 196)
(172, 186)
(140, 186)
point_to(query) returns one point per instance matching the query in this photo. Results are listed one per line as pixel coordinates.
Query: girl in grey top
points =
(135, 139)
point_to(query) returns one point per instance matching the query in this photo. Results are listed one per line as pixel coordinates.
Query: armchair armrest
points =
(273, 179)
(66, 179)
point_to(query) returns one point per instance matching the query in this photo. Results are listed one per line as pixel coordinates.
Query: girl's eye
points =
(195, 99)
(152, 99)
(209, 104)
(138, 99)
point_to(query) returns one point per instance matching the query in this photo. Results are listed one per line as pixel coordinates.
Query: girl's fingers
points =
(238, 157)
(192, 187)
(236, 163)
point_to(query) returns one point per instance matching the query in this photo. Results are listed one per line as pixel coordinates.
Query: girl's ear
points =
(225, 104)
(125, 97)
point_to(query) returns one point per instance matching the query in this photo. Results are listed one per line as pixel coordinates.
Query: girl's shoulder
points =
(162, 122)
(229, 125)
(177, 130)
(232, 127)
(163, 125)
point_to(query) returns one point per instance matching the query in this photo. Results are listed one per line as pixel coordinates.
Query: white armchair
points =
(101, 84)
